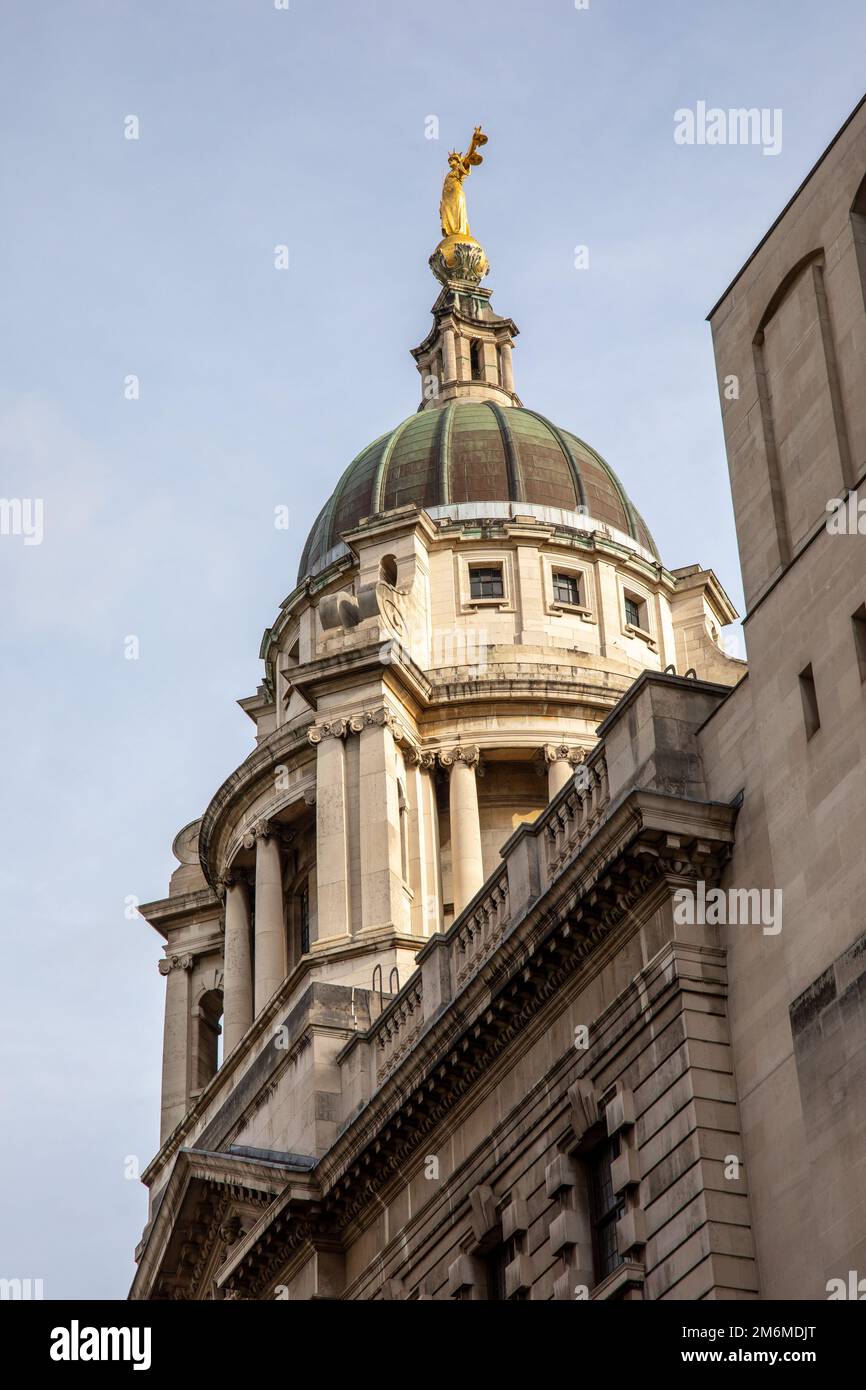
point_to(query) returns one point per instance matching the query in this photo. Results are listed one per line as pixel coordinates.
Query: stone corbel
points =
(485, 1218)
(583, 1107)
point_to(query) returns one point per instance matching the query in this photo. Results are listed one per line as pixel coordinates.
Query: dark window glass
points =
(606, 1208)
(304, 920)
(486, 583)
(476, 357)
(810, 701)
(497, 1260)
(858, 622)
(632, 613)
(566, 588)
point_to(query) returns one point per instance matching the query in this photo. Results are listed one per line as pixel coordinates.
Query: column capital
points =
(556, 752)
(170, 963)
(419, 757)
(468, 753)
(232, 878)
(379, 716)
(266, 829)
(331, 728)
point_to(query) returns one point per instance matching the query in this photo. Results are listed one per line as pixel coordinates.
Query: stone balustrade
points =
(398, 1026)
(573, 816)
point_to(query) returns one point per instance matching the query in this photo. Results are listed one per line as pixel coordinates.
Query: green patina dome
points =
(473, 452)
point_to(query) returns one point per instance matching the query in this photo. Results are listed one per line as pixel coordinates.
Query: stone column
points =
(237, 968)
(507, 367)
(175, 1044)
(270, 968)
(467, 867)
(450, 355)
(383, 902)
(561, 761)
(426, 910)
(332, 847)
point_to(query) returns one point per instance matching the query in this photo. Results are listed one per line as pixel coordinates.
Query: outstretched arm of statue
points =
(471, 157)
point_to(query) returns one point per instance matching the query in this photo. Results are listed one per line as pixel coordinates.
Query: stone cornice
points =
(164, 913)
(253, 775)
(340, 670)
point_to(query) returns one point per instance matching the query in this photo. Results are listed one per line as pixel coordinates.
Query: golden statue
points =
(459, 258)
(452, 207)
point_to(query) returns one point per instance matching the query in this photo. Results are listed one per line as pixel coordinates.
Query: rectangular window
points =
(606, 1208)
(633, 612)
(566, 588)
(304, 919)
(496, 1262)
(858, 623)
(486, 582)
(808, 695)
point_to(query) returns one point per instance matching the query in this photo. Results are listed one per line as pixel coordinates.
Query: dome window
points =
(636, 612)
(485, 581)
(566, 589)
(476, 359)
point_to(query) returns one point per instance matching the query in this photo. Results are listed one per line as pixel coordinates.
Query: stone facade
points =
(475, 1045)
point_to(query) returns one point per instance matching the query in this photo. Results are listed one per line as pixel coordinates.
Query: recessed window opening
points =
(566, 588)
(809, 697)
(476, 359)
(485, 581)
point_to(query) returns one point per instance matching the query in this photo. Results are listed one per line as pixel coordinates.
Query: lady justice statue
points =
(459, 257)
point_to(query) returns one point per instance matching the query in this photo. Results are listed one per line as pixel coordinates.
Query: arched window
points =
(207, 1053)
(476, 359)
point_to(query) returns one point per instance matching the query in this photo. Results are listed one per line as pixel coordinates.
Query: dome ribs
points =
(469, 452)
(377, 497)
(443, 450)
(568, 455)
(516, 488)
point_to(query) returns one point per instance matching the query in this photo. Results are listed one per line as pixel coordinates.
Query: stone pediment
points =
(210, 1203)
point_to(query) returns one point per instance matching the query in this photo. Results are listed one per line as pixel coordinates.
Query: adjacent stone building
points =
(489, 1029)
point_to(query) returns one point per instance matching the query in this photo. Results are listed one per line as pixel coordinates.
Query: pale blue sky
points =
(155, 257)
